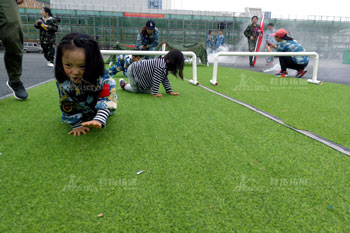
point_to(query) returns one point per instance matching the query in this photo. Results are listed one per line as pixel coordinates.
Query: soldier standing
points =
(12, 37)
(252, 33)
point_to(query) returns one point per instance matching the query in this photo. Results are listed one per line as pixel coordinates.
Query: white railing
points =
(157, 53)
(268, 54)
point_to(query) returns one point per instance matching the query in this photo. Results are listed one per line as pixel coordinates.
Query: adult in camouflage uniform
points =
(12, 37)
(148, 38)
(252, 33)
(48, 28)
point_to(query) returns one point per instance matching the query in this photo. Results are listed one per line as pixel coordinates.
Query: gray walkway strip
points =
(333, 145)
(27, 88)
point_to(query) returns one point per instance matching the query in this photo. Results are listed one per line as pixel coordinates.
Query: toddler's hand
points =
(79, 131)
(93, 124)
(158, 95)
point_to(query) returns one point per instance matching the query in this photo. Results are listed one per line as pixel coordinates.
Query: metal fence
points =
(327, 37)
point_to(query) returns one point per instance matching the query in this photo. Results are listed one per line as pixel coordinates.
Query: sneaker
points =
(122, 83)
(18, 90)
(282, 72)
(50, 64)
(301, 73)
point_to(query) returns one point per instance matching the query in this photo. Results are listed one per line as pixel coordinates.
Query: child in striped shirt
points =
(146, 76)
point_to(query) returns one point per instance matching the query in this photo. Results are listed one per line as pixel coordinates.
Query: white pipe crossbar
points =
(276, 54)
(158, 53)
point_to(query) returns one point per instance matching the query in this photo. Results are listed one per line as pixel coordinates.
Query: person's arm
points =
(282, 47)
(166, 82)
(158, 76)
(156, 40)
(139, 41)
(38, 23)
(269, 48)
(52, 26)
(272, 45)
(106, 103)
(247, 32)
(260, 33)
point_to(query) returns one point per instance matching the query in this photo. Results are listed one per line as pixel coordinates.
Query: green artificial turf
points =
(212, 166)
(321, 109)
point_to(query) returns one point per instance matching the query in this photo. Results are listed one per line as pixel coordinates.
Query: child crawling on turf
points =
(122, 64)
(87, 95)
(146, 76)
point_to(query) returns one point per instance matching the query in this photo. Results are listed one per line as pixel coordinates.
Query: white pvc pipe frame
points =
(158, 53)
(278, 54)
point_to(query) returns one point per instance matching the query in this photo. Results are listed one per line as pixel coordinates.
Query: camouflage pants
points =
(49, 51)
(251, 47)
(12, 38)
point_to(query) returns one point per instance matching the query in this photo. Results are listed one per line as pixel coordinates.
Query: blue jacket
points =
(293, 46)
(220, 41)
(210, 41)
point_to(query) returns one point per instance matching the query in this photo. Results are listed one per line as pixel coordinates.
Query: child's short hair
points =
(94, 64)
(175, 62)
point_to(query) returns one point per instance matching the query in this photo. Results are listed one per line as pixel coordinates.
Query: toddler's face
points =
(74, 64)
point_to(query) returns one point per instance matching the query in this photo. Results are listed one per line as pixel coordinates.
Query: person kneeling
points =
(288, 44)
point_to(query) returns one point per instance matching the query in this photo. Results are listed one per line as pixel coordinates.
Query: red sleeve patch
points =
(105, 91)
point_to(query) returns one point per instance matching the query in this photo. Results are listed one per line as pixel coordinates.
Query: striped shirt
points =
(101, 116)
(149, 74)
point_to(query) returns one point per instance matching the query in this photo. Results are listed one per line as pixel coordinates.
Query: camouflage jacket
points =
(79, 105)
(252, 31)
(293, 46)
(47, 36)
(122, 64)
(151, 40)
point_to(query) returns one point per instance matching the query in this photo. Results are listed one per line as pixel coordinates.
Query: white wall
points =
(106, 5)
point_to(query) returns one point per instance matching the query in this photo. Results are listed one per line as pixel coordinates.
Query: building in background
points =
(112, 5)
(112, 21)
